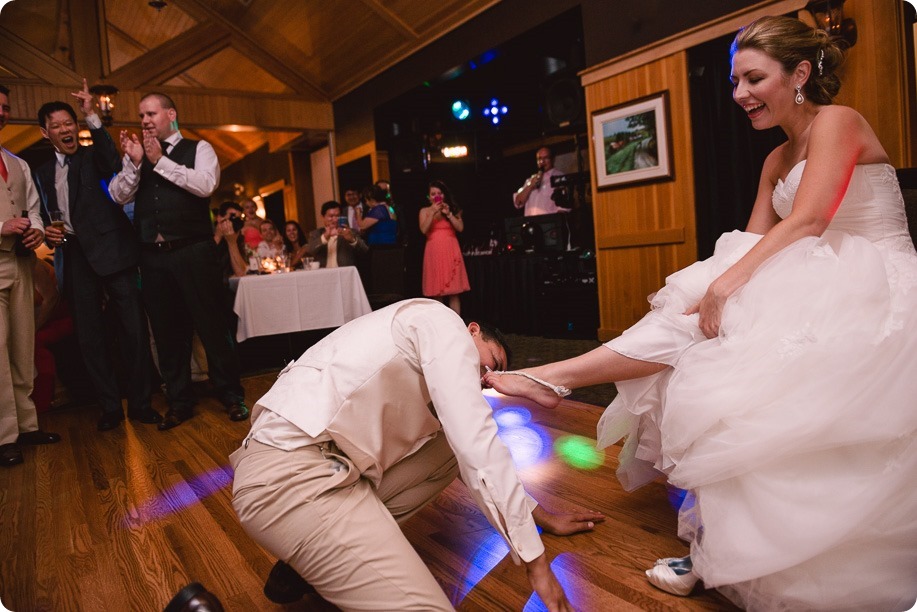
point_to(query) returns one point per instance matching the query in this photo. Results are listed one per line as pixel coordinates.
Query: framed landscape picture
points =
(631, 141)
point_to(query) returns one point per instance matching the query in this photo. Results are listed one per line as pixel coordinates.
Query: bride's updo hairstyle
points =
(790, 41)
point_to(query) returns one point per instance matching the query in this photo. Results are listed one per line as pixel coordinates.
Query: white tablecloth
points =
(298, 301)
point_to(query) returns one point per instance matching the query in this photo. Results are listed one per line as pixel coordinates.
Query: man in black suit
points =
(335, 244)
(99, 255)
(171, 178)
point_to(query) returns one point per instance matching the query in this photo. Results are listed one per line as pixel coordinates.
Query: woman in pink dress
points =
(444, 273)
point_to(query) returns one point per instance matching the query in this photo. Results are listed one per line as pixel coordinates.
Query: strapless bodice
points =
(872, 207)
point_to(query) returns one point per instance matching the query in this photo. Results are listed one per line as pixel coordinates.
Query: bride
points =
(776, 381)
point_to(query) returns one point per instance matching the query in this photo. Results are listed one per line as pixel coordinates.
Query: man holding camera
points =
(335, 244)
(96, 245)
(536, 195)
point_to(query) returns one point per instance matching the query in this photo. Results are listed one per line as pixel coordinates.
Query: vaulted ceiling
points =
(243, 73)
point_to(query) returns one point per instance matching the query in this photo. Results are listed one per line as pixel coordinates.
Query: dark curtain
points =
(728, 152)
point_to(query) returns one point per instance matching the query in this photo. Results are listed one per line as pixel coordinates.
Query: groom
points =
(368, 426)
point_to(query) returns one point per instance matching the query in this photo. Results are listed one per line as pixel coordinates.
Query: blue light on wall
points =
(495, 111)
(461, 110)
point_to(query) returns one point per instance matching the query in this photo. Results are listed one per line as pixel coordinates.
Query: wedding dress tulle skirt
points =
(794, 430)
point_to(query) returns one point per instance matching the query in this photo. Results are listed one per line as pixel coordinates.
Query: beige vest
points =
(13, 198)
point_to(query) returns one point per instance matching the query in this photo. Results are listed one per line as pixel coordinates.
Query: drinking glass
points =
(57, 222)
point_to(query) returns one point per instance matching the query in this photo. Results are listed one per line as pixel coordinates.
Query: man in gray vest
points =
(171, 179)
(21, 231)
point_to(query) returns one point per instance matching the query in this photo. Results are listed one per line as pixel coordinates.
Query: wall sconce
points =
(85, 138)
(829, 16)
(106, 95)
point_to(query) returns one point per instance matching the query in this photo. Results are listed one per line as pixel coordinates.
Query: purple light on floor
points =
(512, 417)
(178, 497)
(528, 443)
(486, 556)
(563, 567)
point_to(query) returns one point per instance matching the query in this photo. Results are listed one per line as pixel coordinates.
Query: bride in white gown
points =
(777, 380)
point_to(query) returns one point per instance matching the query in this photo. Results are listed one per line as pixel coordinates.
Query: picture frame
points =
(631, 142)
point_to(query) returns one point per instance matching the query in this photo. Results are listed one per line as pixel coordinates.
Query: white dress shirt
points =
(369, 386)
(540, 202)
(202, 180)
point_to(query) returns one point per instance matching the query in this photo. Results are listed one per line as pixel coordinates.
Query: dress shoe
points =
(10, 455)
(37, 437)
(147, 416)
(237, 410)
(110, 420)
(174, 418)
(673, 575)
(194, 598)
(284, 584)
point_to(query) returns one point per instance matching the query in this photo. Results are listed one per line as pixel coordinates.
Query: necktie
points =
(3, 171)
(165, 147)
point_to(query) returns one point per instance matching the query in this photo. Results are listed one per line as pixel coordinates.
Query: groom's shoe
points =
(673, 575)
(284, 584)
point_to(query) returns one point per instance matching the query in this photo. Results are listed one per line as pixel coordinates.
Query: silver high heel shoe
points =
(673, 575)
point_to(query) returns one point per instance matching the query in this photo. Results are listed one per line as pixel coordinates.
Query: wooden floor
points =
(124, 519)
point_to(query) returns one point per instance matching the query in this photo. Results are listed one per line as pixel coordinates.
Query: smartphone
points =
(342, 221)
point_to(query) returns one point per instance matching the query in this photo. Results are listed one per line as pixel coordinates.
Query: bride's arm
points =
(837, 138)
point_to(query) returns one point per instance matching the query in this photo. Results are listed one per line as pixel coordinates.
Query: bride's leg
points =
(600, 365)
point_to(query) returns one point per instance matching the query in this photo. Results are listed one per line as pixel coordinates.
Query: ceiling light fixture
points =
(157, 4)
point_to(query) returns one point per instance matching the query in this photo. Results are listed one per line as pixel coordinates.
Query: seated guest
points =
(271, 244)
(335, 245)
(378, 224)
(228, 237)
(251, 231)
(295, 243)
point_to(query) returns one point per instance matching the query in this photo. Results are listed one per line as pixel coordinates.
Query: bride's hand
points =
(711, 312)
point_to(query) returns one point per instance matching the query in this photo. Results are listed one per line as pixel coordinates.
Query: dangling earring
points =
(799, 98)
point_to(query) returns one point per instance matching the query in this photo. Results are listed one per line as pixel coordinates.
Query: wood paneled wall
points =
(644, 232)
(875, 76)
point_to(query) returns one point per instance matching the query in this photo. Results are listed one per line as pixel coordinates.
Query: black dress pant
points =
(86, 293)
(183, 293)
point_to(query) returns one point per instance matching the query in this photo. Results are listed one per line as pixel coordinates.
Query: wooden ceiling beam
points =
(88, 44)
(271, 54)
(171, 58)
(22, 58)
(392, 19)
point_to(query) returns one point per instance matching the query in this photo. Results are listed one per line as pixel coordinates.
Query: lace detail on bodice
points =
(872, 207)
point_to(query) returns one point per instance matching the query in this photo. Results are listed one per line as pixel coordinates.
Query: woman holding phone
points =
(444, 275)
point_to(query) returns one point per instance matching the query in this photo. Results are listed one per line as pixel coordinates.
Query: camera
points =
(237, 223)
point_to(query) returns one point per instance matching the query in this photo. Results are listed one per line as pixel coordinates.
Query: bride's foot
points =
(520, 386)
(673, 575)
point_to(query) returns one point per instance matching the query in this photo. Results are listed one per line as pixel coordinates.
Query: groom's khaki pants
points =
(310, 508)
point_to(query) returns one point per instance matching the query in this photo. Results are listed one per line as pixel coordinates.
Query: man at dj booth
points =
(536, 194)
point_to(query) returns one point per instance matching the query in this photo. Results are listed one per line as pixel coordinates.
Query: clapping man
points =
(171, 178)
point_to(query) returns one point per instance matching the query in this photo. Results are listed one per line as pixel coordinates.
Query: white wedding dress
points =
(794, 429)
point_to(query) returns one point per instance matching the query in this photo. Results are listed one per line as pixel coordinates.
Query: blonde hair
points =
(790, 41)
